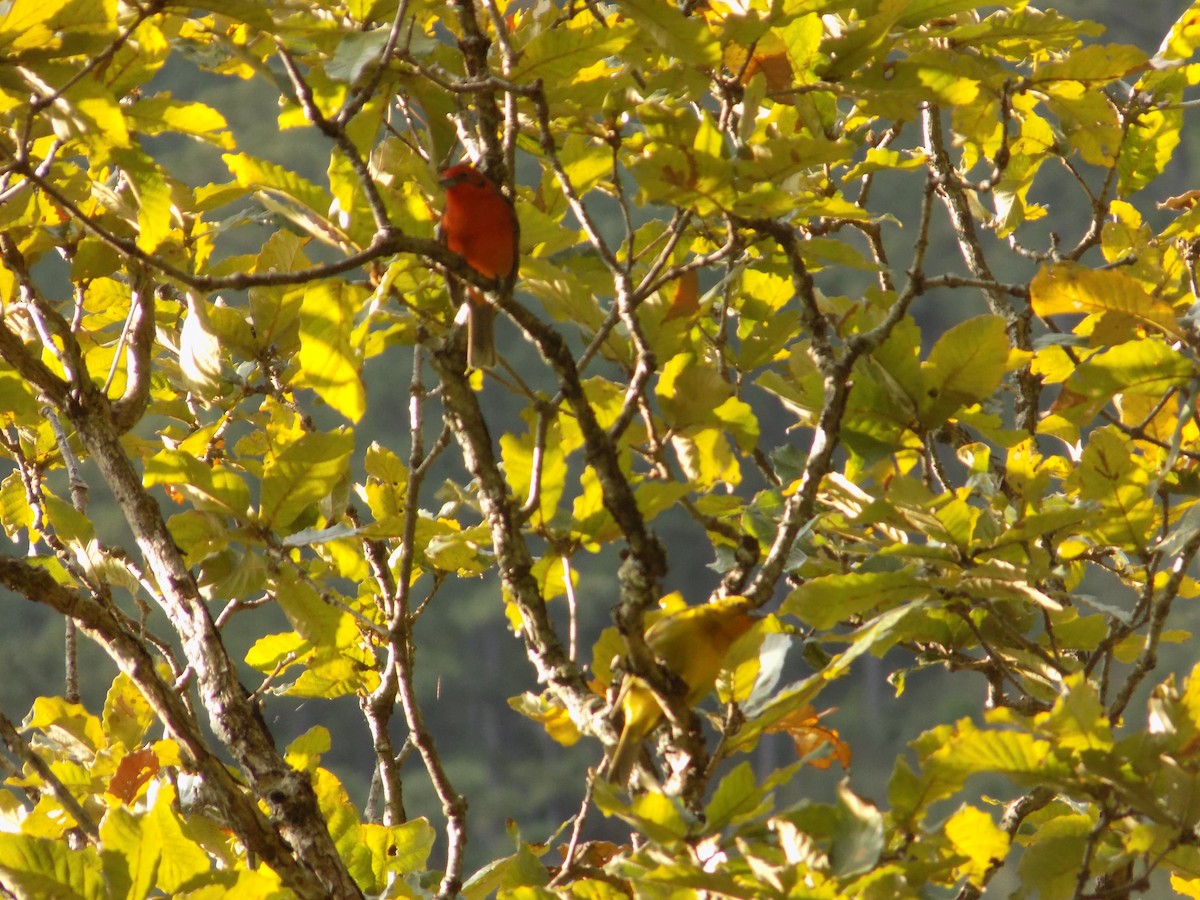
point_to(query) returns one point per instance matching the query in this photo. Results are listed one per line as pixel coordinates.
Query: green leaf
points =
(970, 751)
(965, 366)
(127, 714)
(50, 870)
(90, 113)
(706, 458)
(411, 844)
(689, 391)
(355, 52)
(130, 857)
(951, 754)
(303, 473)
(959, 519)
(1078, 720)
(180, 859)
(68, 523)
(1095, 63)
(57, 717)
(737, 799)
(163, 114)
(699, 177)
(1091, 125)
(858, 836)
(1023, 33)
(592, 524)
(215, 488)
(875, 637)
(453, 550)
(653, 813)
(1147, 367)
(304, 752)
(687, 37)
(882, 160)
(1183, 38)
(1050, 863)
(18, 405)
(31, 24)
(1109, 474)
(548, 713)
(319, 622)
(564, 53)
(519, 453)
(261, 175)
(199, 534)
(823, 602)
(271, 653)
(920, 12)
(1148, 147)
(15, 512)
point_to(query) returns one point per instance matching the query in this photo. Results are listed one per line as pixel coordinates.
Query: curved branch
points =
(549, 657)
(127, 410)
(386, 242)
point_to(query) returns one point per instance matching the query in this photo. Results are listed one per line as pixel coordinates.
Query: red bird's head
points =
(466, 175)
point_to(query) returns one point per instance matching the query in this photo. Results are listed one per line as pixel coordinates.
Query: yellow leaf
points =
(1069, 289)
(1091, 64)
(977, 837)
(328, 363)
(553, 717)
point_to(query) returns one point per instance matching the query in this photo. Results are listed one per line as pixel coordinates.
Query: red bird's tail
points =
(481, 332)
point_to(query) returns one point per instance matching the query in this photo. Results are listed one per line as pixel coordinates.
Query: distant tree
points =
(730, 221)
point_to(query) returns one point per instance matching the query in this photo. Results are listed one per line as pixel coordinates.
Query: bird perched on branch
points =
(480, 225)
(692, 643)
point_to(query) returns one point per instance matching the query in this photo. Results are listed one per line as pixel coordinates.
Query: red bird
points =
(480, 225)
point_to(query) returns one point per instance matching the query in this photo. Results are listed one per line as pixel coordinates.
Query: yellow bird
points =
(692, 643)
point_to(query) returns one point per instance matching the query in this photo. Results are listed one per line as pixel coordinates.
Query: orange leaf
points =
(809, 736)
(134, 770)
(776, 68)
(687, 297)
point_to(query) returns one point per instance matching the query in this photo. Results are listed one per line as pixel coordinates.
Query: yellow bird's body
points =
(692, 643)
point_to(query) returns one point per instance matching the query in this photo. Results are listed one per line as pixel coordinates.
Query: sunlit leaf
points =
(976, 836)
(302, 474)
(1070, 289)
(966, 365)
(825, 601)
(329, 364)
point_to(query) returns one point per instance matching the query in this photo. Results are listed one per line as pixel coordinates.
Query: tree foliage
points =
(735, 301)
